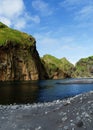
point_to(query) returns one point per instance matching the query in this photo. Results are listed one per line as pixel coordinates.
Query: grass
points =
(54, 64)
(15, 36)
(51, 59)
(84, 67)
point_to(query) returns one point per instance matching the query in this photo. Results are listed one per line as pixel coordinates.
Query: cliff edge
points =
(19, 59)
(84, 68)
(57, 68)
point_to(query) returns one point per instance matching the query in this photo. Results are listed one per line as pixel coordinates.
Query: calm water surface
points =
(39, 91)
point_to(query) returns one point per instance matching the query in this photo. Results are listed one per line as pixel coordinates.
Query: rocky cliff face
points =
(84, 67)
(57, 68)
(19, 59)
(62, 68)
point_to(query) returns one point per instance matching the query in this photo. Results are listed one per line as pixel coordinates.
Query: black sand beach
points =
(74, 113)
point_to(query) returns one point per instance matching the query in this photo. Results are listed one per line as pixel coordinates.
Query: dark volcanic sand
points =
(72, 114)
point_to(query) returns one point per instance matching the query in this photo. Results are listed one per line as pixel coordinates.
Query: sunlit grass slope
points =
(8, 34)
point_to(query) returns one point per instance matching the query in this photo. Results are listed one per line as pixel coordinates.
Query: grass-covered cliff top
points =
(88, 60)
(51, 59)
(84, 67)
(60, 63)
(8, 34)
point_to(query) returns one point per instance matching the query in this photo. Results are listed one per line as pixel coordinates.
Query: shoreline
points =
(68, 114)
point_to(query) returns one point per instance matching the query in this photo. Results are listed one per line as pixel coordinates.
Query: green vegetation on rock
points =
(59, 68)
(51, 64)
(8, 34)
(67, 66)
(84, 67)
(19, 59)
(23, 61)
(62, 68)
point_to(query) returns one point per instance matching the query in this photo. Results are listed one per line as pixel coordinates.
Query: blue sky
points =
(63, 28)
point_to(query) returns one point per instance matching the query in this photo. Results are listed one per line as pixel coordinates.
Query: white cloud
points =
(57, 46)
(85, 13)
(49, 38)
(71, 47)
(5, 20)
(20, 24)
(13, 13)
(73, 4)
(11, 8)
(42, 7)
(80, 10)
(35, 18)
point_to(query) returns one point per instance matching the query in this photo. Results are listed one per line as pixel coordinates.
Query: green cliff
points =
(67, 66)
(57, 68)
(8, 34)
(84, 67)
(19, 59)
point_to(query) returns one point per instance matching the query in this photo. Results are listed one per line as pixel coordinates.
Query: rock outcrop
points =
(67, 67)
(19, 59)
(84, 68)
(57, 68)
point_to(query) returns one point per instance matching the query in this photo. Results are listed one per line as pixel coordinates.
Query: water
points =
(40, 91)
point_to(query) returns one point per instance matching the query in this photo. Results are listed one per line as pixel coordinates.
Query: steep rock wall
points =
(84, 68)
(57, 68)
(20, 62)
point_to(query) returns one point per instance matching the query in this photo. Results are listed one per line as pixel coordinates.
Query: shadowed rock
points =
(19, 59)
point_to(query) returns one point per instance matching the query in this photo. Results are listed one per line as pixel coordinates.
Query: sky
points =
(62, 28)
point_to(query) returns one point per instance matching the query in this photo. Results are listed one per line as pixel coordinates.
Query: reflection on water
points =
(18, 92)
(39, 91)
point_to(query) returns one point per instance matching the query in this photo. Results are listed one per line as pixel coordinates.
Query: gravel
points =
(74, 113)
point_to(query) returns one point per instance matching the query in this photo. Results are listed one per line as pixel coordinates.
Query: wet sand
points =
(74, 113)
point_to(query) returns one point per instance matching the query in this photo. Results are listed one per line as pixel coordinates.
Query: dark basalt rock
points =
(79, 124)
